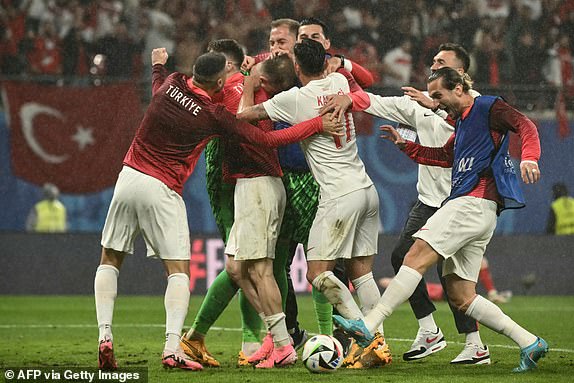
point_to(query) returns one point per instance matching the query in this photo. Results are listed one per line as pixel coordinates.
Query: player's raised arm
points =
(247, 110)
(159, 57)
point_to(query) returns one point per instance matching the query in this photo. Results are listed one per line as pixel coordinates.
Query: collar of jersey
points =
(197, 90)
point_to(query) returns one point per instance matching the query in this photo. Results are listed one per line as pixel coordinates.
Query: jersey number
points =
(337, 139)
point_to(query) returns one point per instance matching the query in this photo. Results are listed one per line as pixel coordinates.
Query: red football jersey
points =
(242, 159)
(179, 122)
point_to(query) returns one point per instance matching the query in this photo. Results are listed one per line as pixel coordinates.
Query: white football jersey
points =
(334, 161)
(432, 130)
(434, 182)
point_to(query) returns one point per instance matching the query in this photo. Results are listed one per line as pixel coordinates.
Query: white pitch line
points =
(214, 328)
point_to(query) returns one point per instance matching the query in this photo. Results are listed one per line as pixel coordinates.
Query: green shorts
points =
(302, 200)
(220, 193)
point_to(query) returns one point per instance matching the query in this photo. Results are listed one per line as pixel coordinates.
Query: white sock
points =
(105, 292)
(400, 289)
(249, 348)
(337, 294)
(428, 323)
(474, 338)
(176, 303)
(492, 317)
(369, 295)
(278, 329)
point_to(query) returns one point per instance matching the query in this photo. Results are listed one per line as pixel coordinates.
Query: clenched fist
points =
(159, 56)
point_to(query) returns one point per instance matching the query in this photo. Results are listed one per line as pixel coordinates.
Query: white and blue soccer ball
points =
(322, 353)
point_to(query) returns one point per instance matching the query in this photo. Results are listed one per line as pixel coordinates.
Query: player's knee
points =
(311, 275)
(460, 299)
(457, 302)
(112, 257)
(233, 270)
(420, 257)
(259, 271)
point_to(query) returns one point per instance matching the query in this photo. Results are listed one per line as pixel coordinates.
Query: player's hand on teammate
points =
(338, 105)
(333, 64)
(331, 125)
(280, 52)
(159, 56)
(391, 134)
(420, 97)
(530, 172)
(248, 63)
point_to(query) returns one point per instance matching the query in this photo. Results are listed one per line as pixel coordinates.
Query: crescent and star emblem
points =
(29, 111)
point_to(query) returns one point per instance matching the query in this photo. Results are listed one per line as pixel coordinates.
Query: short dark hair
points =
(310, 55)
(230, 48)
(208, 66)
(316, 21)
(293, 25)
(451, 78)
(459, 52)
(280, 71)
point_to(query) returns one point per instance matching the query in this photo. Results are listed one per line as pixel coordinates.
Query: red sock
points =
(486, 279)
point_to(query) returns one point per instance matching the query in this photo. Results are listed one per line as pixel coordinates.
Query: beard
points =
(452, 112)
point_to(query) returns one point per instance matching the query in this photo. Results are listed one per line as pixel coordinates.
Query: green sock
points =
(251, 322)
(216, 300)
(323, 312)
(279, 264)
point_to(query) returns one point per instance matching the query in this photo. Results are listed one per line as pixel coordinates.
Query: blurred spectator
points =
(493, 61)
(528, 59)
(465, 24)
(120, 50)
(398, 65)
(534, 6)
(46, 54)
(37, 11)
(76, 54)
(561, 216)
(493, 9)
(12, 30)
(48, 215)
(185, 26)
(559, 66)
(439, 20)
(160, 32)
(186, 51)
(108, 14)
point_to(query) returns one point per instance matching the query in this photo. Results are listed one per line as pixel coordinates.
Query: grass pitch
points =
(47, 331)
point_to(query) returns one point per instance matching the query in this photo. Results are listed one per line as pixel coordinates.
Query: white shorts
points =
(144, 204)
(459, 231)
(345, 227)
(259, 207)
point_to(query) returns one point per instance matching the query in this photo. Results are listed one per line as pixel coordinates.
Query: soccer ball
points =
(322, 353)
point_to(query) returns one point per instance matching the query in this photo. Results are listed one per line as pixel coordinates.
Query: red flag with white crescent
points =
(74, 137)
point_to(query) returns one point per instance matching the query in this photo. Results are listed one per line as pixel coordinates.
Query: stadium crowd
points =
(511, 41)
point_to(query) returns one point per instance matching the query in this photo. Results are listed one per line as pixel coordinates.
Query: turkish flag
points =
(74, 137)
